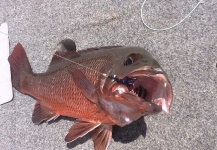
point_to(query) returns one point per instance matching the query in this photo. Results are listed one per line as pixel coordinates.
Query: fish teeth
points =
(133, 92)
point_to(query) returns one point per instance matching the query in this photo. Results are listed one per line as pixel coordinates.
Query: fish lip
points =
(161, 97)
(145, 71)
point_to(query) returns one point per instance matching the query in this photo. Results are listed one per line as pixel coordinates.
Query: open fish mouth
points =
(149, 85)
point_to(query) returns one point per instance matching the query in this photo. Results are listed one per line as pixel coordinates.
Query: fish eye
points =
(128, 61)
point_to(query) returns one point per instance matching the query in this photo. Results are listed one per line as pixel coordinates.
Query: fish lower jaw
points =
(134, 93)
(162, 102)
(152, 87)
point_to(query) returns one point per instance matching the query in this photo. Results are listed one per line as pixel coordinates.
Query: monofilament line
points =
(104, 74)
(163, 29)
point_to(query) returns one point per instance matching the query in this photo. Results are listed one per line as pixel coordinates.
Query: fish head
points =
(137, 78)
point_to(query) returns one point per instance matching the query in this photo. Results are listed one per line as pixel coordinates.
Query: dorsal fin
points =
(98, 48)
(66, 45)
(72, 54)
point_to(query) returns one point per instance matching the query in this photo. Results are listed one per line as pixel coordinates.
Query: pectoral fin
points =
(101, 137)
(80, 128)
(42, 113)
(84, 84)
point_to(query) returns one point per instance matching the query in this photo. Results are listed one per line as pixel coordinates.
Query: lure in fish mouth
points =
(138, 89)
(75, 85)
(149, 85)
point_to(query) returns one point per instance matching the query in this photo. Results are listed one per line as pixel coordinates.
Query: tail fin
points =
(20, 66)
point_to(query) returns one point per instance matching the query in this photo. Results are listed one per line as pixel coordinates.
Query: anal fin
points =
(42, 113)
(81, 128)
(101, 137)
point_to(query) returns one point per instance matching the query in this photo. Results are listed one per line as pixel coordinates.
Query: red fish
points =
(101, 87)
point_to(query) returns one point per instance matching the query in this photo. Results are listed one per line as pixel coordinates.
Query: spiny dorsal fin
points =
(98, 48)
(70, 54)
(101, 137)
(80, 128)
(60, 56)
(42, 113)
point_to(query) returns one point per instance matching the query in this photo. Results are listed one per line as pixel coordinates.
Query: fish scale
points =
(73, 98)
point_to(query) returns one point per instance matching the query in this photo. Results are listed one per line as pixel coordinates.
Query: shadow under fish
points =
(130, 132)
(126, 134)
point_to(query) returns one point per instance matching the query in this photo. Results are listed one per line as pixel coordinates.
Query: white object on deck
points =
(6, 93)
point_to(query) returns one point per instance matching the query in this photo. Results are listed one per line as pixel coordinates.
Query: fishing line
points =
(126, 80)
(104, 74)
(167, 28)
